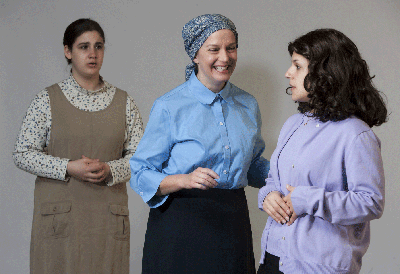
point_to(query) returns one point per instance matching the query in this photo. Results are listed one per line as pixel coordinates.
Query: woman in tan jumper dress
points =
(77, 137)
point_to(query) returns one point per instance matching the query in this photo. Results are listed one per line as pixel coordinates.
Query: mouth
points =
(92, 65)
(221, 68)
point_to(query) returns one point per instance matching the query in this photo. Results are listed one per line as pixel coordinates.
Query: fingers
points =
(208, 171)
(288, 201)
(89, 170)
(276, 207)
(290, 188)
(292, 219)
(202, 178)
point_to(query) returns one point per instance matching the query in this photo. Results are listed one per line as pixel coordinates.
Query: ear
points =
(67, 52)
(195, 60)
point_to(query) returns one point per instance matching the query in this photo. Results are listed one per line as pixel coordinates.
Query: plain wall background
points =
(145, 56)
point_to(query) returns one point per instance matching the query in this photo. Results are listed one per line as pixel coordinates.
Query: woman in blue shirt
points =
(326, 180)
(201, 147)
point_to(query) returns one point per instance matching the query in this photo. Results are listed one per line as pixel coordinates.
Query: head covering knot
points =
(197, 30)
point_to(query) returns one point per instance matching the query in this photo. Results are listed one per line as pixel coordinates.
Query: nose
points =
(288, 73)
(223, 55)
(92, 52)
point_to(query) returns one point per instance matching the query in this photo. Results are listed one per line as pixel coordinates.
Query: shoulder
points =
(241, 97)
(177, 93)
(350, 127)
(239, 93)
(42, 98)
(174, 98)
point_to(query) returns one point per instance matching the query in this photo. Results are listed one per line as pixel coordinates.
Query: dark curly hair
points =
(78, 27)
(338, 79)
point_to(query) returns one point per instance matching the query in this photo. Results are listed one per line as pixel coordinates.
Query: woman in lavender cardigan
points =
(326, 180)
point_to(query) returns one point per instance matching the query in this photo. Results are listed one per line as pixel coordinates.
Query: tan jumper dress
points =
(80, 227)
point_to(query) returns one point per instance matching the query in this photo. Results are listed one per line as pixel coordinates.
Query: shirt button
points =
(226, 147)
(225, 172)
(280, 263)
(292, 166)
(141, 193)
(221, 123)
(283, 238)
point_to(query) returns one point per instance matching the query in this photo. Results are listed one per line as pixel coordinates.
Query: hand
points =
(276, 207)
(288, 201)
(89, 170)
(202, 178)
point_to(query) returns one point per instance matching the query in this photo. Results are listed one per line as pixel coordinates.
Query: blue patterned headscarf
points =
(197, 30)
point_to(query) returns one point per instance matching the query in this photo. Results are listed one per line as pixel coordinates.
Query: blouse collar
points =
(206, 96)
(74, 84)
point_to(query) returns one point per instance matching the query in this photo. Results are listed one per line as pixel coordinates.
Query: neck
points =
(90, 83)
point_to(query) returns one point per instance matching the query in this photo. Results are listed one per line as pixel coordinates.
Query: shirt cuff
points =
(120, 171)
(301, 201)
(62, 175)
(263, 192)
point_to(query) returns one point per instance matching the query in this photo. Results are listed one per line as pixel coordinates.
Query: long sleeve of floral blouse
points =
(30, 152)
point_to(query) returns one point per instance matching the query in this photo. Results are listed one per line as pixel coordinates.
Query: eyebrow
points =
(216, 45)
(88, 43)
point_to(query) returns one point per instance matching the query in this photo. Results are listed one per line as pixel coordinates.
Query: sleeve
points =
(152, 153)
(31, 145)
(259, 167)
(120, 169)
(364, 200)
(265, 190)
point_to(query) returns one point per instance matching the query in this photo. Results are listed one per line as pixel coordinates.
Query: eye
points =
(99, 46)
(213, 49)
(83, 47)
(233, 48)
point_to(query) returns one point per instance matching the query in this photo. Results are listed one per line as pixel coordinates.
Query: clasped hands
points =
(89, 170)
(280, 207)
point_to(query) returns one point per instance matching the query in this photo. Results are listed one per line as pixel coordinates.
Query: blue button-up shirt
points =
(337, 170)
(191, 127)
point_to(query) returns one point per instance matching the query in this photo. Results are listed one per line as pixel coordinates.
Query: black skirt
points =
(197, 231)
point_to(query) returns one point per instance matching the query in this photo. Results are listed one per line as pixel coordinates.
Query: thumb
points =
(290, 188)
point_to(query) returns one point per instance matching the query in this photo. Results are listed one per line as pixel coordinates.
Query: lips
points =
(221, 68)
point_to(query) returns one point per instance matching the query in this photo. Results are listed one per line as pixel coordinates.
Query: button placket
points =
(218, 112)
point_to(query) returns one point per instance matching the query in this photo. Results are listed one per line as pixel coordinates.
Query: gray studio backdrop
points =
(145, 56)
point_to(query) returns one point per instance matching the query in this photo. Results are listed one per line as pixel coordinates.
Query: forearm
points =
(120, 171)
(337, 207)
(170, 184)
(40, 164)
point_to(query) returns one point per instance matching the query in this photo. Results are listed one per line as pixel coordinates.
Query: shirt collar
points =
(73, 83)
(206, 96)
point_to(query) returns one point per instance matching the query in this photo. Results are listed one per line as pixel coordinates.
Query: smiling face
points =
(86, 55)
(296, 74)
(216, 59)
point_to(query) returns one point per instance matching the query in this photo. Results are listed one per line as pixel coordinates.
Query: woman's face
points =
(216, 59)
(296, 74)
(86, 55)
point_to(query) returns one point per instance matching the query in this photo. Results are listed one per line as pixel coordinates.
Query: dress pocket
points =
(120, 216)
(56, 219)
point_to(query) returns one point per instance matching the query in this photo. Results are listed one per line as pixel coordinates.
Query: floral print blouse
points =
(34, 136)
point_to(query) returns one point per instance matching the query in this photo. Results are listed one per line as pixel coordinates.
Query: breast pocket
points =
(56, 219)
(120, 222)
